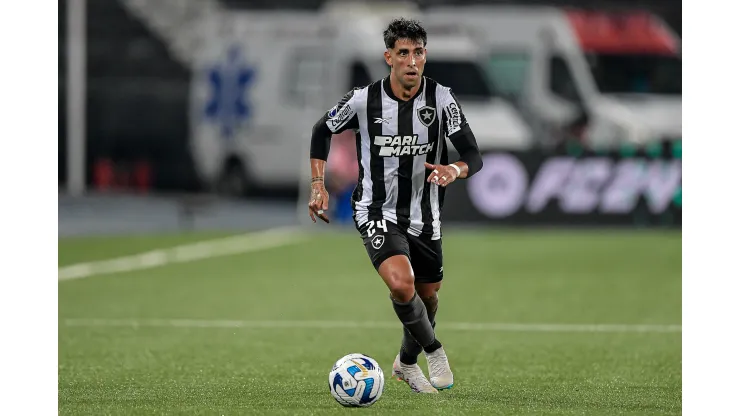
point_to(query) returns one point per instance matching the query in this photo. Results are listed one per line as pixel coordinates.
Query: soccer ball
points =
(356, 380)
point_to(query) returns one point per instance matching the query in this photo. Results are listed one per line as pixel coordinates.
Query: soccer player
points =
(401, 122)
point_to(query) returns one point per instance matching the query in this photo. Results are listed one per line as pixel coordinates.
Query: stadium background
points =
(594, 314)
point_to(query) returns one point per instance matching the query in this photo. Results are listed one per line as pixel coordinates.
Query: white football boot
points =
(413, 376)
(440, 374)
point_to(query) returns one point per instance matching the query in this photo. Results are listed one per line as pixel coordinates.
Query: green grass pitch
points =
(514, 277)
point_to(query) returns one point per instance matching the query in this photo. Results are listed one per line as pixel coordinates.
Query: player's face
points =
(407, 61)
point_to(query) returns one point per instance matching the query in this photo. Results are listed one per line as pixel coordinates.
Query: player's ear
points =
(387, 56)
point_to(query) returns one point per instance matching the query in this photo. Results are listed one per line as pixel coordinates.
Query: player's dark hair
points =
(402, 28)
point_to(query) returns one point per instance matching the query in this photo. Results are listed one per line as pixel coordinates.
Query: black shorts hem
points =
(435, 279)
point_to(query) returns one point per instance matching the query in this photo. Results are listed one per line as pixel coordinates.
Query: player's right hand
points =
(319, 203)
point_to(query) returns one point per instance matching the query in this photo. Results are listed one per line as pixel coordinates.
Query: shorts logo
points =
(378, 241)
(427, 115)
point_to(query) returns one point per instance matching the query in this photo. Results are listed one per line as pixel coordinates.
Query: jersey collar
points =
(389, 92)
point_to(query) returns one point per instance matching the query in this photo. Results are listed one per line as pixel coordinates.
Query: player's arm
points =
(471, 160)
(339, 118)
(457, 129)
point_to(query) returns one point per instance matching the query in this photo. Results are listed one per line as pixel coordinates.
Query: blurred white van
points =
(619, 73)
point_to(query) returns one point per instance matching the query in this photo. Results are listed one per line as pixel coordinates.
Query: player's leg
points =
(426, 260)
(388, 249)
(427, 266)
(398, 275)
(410, 349)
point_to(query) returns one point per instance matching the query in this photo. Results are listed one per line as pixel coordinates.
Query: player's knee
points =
(401, 286)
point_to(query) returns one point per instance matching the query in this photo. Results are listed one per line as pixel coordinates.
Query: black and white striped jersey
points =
(394, 139)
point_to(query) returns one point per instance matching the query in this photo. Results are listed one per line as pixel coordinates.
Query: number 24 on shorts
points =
(371, 227)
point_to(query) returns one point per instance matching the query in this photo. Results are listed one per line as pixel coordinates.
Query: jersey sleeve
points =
(456, 128)
(453, 118)
(343, 116)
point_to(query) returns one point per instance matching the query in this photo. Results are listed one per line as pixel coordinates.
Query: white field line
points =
(452, 326)
(239, 244)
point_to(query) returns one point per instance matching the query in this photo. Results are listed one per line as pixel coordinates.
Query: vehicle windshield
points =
(636, 73)
(465, 78)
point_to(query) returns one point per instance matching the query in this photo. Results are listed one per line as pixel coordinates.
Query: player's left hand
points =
(441, 175)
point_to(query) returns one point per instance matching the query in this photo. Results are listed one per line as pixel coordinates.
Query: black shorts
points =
(384, 239)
